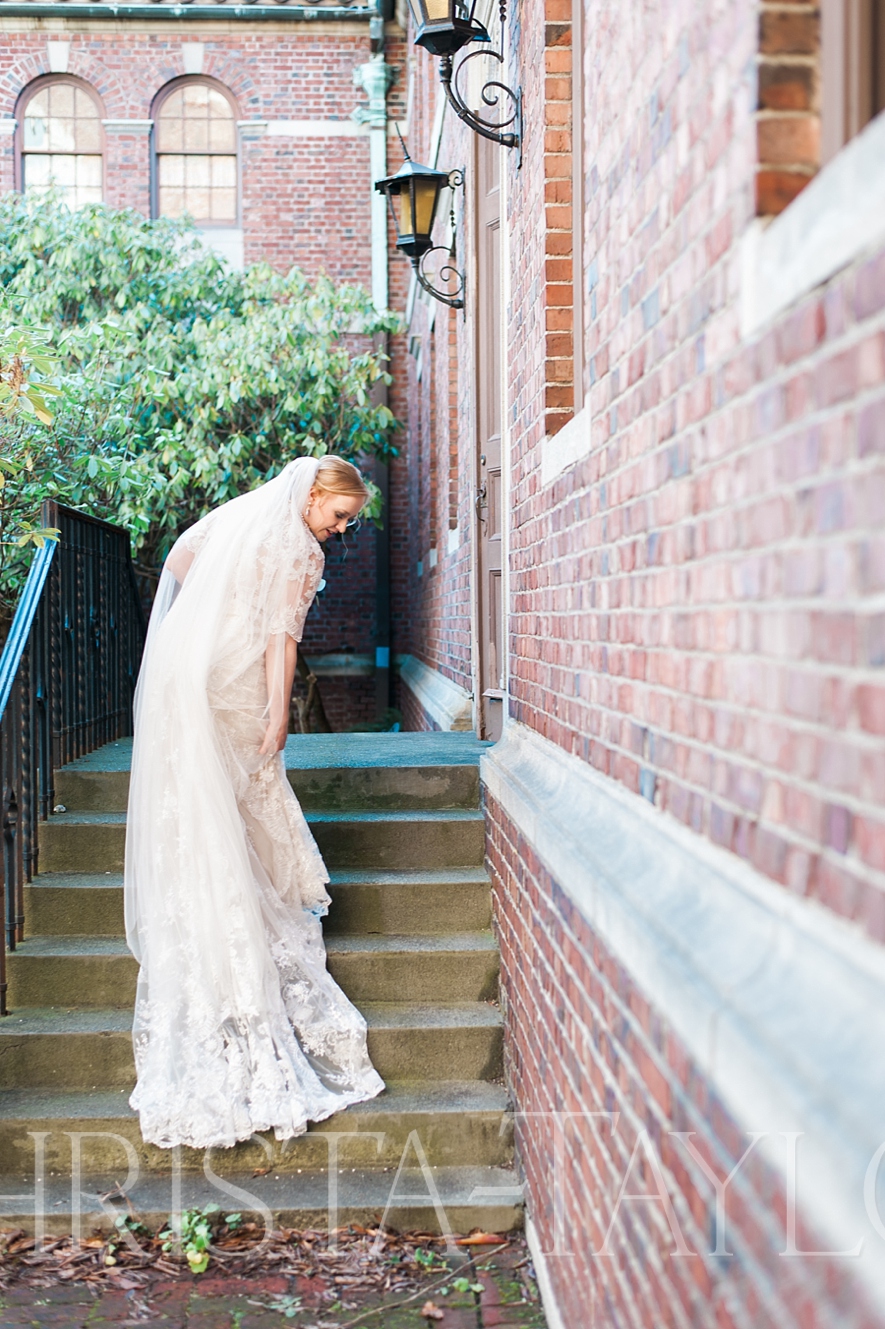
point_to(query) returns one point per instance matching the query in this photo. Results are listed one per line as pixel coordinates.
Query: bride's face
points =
(329, 513)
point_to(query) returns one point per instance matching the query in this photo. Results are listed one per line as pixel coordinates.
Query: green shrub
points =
(179, 382)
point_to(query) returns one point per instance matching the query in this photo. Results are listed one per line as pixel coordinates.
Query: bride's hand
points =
(275, 738)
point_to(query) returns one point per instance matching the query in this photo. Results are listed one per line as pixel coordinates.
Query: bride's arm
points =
(279, 663)
(179, 560)
(280, 657)
(186, 547)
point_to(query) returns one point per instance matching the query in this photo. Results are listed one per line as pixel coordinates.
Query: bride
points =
(238, 1025)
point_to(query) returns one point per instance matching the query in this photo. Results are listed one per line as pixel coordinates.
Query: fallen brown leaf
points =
(25, 1244)
(430, 1311)
(482, 1239)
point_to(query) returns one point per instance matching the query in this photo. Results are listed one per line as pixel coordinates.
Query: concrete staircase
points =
(397, 819)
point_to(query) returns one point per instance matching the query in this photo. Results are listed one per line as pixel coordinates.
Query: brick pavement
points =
(211, 1301)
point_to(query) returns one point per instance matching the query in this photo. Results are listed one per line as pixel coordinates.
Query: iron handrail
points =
(25, 610)
(67, 680)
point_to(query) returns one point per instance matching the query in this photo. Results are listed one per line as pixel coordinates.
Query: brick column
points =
(559, 391)
(788, 117)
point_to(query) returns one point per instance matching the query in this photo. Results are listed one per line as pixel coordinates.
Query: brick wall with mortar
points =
(295, 210)
(437, 466)
(583, 1041)
(788, 118)
(695, 606)
(439, 572)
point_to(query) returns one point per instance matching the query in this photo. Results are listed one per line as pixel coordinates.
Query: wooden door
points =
(489, 510)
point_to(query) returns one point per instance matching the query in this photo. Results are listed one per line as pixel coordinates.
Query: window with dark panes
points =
(61, 143)
(196, 155)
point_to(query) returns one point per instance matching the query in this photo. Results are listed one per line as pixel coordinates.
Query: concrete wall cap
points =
(779, 1002)
(443, 700)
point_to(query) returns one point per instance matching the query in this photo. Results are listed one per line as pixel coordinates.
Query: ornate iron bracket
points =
(448, 272)
(498, 130)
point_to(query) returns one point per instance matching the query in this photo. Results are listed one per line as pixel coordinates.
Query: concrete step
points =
(51, 1048)
(71, 971)
(489, 1198)
(76, 904)
(91, 904)
(74, 971)
(371, 772)
(460, 966)
(409, 902)
(458, 1124)
(93, 841)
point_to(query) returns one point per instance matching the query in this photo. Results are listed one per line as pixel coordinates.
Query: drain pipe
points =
(375, 77)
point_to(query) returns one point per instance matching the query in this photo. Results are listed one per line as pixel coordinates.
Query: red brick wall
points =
(788, 128)
(441, 490)
(696, 601)
(581, 1038)
(294, 209)
(415, 718)
(437, 467)
(559, 268)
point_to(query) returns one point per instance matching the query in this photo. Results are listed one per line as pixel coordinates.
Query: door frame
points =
(476, 567)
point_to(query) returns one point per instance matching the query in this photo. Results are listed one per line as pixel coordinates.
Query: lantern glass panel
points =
(426, 194)
(404, 206)
(417, 204)
(438, 11)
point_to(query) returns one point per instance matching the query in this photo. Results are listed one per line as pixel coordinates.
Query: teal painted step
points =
(393, 772)
(93, 841)
(84, 904)
(459, 1124)
(99, 971)
(471, 1197)
(52, 1048)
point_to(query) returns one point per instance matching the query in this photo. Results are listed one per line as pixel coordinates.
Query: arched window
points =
(195, 138)
(61, 140)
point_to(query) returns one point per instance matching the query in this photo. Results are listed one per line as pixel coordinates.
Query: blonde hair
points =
(335, 475)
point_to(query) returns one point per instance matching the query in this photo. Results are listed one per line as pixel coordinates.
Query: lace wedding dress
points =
(238, 1025)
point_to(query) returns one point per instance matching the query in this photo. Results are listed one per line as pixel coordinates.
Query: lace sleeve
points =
(297, 588)
(301, 588)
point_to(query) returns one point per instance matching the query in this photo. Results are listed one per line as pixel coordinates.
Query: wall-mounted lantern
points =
(413, 194)
(443, 27)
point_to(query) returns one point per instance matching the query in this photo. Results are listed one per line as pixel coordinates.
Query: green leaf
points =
(157, 382)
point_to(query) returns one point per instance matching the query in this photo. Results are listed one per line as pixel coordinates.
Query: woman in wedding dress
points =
(238, 1026)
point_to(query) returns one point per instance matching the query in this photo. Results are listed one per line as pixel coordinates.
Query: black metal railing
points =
(67, 678)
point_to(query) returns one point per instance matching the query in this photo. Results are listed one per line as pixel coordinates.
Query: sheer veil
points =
(221, 868)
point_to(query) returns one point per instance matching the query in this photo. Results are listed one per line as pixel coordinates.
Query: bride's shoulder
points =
(291, 547)
(194, 536)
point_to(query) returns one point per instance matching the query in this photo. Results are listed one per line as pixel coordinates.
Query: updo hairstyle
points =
(335, 475)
